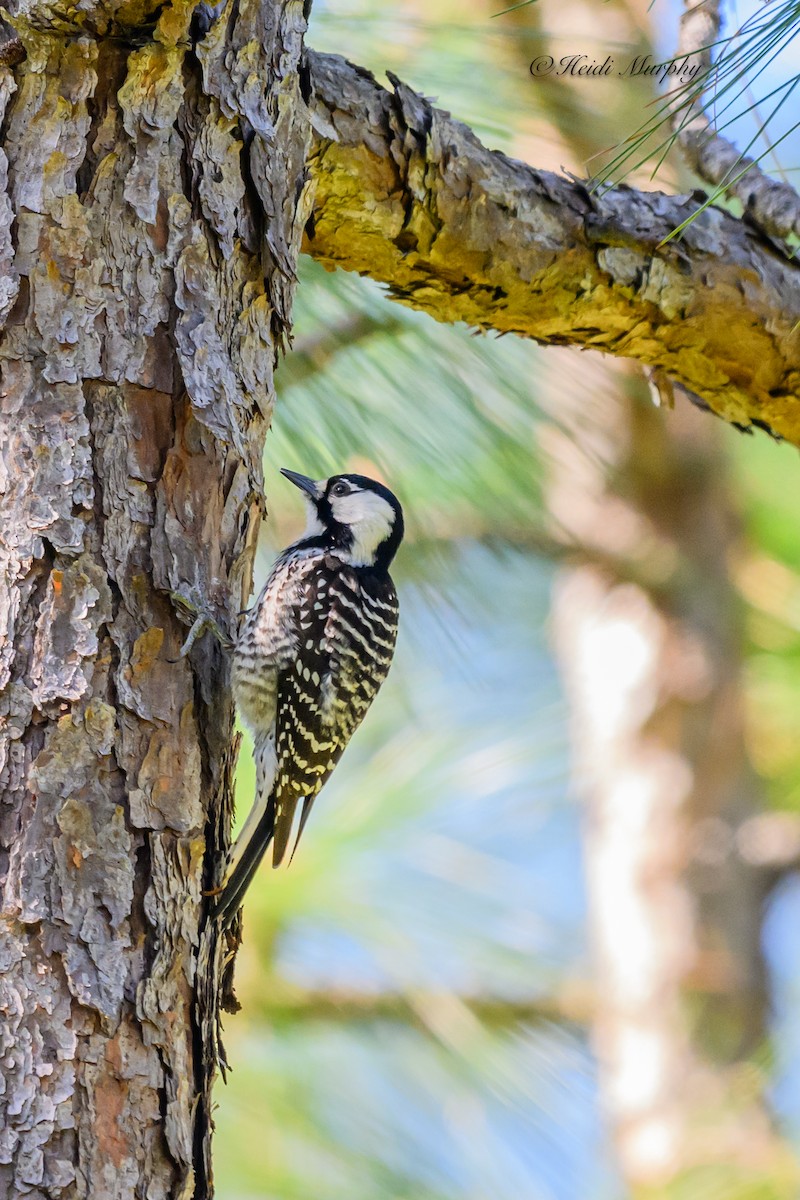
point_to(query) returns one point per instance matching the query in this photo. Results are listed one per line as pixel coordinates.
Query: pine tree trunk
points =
(157, 196)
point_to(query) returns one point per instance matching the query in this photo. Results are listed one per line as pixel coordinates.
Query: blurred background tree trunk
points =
(649, 632)
(146, 305)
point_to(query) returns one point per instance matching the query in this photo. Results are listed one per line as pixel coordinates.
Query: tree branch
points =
(409, 196)
(420, 1007)
(772, 205)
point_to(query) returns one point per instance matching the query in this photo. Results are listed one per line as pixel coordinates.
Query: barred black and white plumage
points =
(313, 652)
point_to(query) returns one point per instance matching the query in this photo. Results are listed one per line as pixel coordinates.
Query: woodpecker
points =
(312, 654)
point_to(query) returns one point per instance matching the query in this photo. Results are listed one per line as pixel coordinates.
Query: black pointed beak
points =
(303, 482)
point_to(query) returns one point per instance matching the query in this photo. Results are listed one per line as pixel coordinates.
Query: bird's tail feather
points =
(227, 904)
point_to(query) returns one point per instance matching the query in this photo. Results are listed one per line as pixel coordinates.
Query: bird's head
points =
(358, 518)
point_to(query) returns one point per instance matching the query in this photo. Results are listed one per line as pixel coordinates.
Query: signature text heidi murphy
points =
(681, 69)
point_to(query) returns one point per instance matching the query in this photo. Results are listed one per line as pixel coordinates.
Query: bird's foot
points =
(203, 623)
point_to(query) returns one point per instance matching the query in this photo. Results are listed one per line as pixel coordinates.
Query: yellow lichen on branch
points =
(409, 196)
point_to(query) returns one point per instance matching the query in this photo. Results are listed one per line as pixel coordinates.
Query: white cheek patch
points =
(371, 519)
(313, 524)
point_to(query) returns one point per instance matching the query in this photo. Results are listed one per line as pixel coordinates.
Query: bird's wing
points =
(267, 643)
(347, 632)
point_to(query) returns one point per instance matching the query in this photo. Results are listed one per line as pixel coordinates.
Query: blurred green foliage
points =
(769, 578)
(410, 1026)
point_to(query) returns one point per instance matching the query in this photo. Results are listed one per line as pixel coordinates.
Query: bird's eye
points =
(340, 489)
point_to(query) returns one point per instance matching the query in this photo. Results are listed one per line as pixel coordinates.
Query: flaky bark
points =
(409, 196)
(148, 293)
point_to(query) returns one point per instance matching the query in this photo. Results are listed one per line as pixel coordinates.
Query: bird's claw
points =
(203, 623)
(199, 627)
